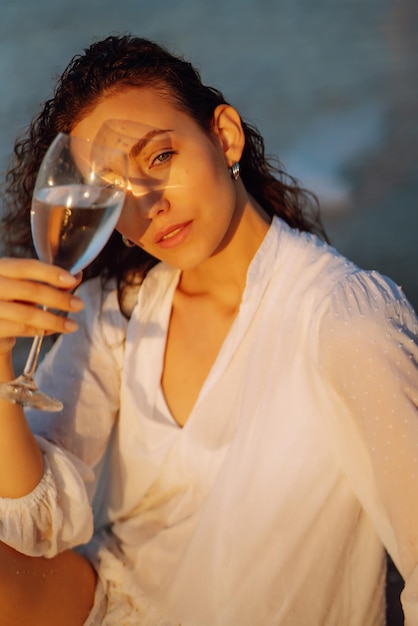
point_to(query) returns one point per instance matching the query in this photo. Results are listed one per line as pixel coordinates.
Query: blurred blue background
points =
(332, 86)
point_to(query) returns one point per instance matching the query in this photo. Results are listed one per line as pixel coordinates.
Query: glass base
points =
(24, 391)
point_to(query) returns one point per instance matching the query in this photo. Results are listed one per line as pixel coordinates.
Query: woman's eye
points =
(162, 158)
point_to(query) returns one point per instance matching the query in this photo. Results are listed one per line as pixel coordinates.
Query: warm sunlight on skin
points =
(188, 209)
(184, 208)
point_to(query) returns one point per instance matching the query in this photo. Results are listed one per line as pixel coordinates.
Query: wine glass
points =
(78, 197)
(145, 145)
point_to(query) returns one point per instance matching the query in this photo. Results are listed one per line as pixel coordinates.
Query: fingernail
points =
(66, 278)
(70, 326)
(76, 303)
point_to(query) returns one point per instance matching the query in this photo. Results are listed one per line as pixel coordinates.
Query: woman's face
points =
(181, 202)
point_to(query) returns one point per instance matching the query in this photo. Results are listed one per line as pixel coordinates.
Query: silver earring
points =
(235, 170)
(128, 243)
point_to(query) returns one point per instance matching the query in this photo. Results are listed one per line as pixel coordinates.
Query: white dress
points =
(297, 465)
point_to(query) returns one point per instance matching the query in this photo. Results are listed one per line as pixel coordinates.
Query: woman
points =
(239, 445)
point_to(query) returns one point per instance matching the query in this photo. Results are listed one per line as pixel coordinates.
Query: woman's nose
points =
(148, 203)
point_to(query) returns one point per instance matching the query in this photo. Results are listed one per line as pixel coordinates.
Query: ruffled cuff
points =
(55, 516)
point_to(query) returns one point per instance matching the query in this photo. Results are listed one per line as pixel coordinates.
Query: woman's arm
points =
(369, 358)
(83, 370)
(24, 285)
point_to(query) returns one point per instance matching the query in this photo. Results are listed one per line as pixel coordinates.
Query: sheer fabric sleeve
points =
(368, 355)
(82, 370)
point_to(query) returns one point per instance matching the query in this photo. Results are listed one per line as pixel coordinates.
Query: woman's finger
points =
(26, 291)
(32, 269)
(31, 293)
(22, 320)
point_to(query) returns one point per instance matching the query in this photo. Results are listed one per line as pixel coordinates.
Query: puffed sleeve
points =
(368, 363)
(83, 370)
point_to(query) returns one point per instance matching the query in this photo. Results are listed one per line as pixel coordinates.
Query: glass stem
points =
(33, 356)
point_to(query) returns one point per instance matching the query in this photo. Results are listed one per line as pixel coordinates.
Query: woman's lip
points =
(172, 235)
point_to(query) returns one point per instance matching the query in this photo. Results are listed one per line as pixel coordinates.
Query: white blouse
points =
(297, 465)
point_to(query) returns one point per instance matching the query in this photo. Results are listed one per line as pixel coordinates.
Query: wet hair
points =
(110, 66)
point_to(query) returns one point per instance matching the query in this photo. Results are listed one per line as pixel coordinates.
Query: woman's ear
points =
(227, 127)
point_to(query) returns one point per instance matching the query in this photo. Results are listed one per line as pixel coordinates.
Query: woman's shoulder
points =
(334, 285)
(308, 265)
(366, 311)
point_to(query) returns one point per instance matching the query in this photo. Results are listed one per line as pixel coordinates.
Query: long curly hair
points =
(112, 65)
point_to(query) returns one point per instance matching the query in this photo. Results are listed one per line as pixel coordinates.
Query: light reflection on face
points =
(181, 198)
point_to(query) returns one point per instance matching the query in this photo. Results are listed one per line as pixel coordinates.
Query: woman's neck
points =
(223, 276)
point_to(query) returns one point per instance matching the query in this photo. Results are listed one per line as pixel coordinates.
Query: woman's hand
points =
(26, 285)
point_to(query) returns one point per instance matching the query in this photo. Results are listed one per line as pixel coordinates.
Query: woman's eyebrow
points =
(144, 141)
